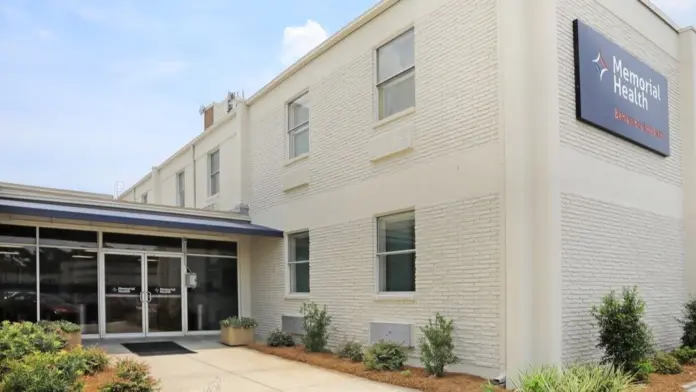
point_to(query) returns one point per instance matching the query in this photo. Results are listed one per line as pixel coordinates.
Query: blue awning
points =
(132, 217)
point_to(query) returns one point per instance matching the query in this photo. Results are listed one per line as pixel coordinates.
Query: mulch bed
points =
(671, 383)
(416, 380)
(94, 382)
(455, 382)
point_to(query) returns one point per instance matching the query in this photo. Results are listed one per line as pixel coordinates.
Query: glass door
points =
(163, 295)
(124, 298)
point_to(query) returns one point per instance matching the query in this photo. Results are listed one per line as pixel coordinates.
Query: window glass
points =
(215, 296)
(298, 112)
(69, 287)
(18, 283)
(11, 234)
(396, 252)
(181, 189)
(397, 95)
(141, 242)
(209, 247)
(299, 141)
(67, 238)
(298, 262)
(215, 162)
(395, 57)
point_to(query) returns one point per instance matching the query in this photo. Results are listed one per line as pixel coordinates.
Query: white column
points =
(530, 127)
(687, 117)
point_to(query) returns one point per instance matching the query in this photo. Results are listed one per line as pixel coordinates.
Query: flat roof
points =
(104, 214)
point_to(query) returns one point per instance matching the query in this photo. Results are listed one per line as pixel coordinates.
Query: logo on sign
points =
(618, 93)
(601, 65)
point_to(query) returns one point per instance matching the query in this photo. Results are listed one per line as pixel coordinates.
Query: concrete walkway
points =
(217, 368)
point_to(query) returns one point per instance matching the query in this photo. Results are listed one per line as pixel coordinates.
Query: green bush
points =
(59, 326)
(664, 363)
(239, 322)
(587, 377)
(95, 359)
(685, 355)
(385, 356)
(351, 350)
(623, 335)
(688, 323)
(18, 340)
(316, 324)
(436, 346)
(43, 372)
(279, 338)
(131, 376)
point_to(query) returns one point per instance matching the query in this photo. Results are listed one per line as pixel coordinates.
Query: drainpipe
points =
(195, 184)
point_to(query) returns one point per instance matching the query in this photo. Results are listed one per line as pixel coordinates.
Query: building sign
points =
(166, 290)
(123, 290)
(618, 93)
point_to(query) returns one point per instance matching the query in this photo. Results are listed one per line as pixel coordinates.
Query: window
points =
(298, 262)
(396, 252)
(143, 198)
(181, 189)
(298, 126)
(214, 173)
(396, 72)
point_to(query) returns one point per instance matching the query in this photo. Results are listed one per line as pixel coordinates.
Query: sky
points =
(94, 93)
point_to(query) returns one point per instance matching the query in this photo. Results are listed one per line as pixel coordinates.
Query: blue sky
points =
(95, 92)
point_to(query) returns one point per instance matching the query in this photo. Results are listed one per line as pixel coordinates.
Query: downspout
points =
(195, 184)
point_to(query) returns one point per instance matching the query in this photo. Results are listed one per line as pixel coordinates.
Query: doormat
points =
(147, 349)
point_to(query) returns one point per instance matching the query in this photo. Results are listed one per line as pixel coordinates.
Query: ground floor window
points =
(298, 262)
(215, 295)
(18, 301)
(396, 252)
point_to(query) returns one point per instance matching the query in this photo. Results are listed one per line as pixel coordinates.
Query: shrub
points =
(685, 355)
(316, 324)
(239, 322)
(42, 372)
(623, 335)
(587, 377)
(688, 323)
(96, 360)
(436, 346)
(18, 340)
(279, 338)
(59, 326)
(351, 350)
(385, 356)
(664, 363)
(131, 376)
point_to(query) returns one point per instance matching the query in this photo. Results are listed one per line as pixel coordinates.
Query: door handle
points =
(142, 299)
(149, 296)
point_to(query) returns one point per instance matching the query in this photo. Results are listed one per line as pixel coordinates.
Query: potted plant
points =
(237, 331)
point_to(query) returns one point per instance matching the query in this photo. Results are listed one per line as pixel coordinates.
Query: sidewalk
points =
(217, 368)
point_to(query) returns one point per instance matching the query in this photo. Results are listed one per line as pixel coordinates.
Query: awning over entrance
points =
(134, 217)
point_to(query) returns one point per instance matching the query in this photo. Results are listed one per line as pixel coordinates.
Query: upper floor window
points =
(143, 198)
(181, 189)
(214, 173)
(298, 126)
(396, 252)
(396, 74)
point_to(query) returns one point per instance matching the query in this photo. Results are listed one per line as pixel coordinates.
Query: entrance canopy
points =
(132, 216)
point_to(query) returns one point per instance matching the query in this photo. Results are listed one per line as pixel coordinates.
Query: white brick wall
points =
(598, 143)
(456, 100)
(606, 247)
(458, 273)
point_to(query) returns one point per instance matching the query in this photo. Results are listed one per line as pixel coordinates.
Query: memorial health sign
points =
(618, 93)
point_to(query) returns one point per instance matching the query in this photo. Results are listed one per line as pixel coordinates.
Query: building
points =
(502, 163)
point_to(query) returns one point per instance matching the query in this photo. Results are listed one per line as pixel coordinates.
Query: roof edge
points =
(660, 14)
(337, 37)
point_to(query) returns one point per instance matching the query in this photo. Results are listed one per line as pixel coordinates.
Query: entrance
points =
(142, 294)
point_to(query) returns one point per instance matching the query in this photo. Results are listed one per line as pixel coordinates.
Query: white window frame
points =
(409, 72)
(380, 267)
(211, 174)
(143, 198)
(293, 130)
(289, 290)
(181, 188)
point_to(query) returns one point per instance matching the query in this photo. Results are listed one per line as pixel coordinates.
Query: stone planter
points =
(74, 339)
(237, 336)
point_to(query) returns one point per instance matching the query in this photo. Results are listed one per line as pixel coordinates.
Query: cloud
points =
(299, 40)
